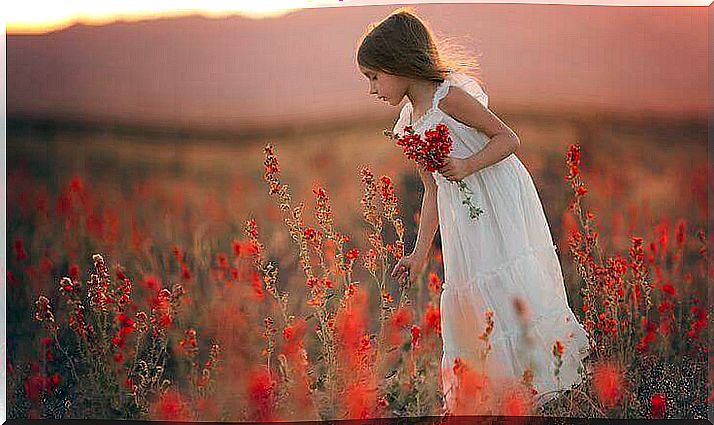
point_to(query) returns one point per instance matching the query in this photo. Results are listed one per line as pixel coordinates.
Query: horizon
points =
(30, 22)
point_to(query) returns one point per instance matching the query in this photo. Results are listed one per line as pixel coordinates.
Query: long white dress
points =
(507, 253)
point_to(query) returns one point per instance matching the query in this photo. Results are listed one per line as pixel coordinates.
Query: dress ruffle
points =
(516, 344)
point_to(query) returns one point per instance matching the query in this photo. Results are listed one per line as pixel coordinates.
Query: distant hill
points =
(236, 72)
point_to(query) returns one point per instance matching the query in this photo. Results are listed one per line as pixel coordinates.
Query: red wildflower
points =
(659, 405)
(20, 252)
(416, 332)
(261, 392)
(516, 403)
(669, 289)
(434, 283)
(293, 335)
(310, 233)
(171, 407)
(432, 318)
(352, 254)
(608, 381)
(681, 232)
(402, 317)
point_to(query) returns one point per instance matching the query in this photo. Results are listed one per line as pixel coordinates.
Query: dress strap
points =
(441, 90)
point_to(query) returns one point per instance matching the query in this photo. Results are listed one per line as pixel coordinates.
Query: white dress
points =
(508, 252)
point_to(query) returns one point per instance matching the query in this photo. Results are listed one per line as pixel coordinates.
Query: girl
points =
(505, 261)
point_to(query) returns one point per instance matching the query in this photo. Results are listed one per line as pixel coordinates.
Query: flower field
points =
(191, 279)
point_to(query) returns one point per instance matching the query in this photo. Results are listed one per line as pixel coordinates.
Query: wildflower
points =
(352, 254)
(323, 209)
(699, 323)
(310, 233)
(515, 403)
(489, 326)
(432, 318)
(415, 332)
(522, 309)
(669, 289)
(370, 213)
(171, 407)
(431, 153)
(370, 261)
(20, 253)
(261, 392)
(271, 173)
(293, 335)
(608, 382)
(188, 343)
(658, 405)
(401, 317)
(681, 232)
(434, 283)
(43, 313)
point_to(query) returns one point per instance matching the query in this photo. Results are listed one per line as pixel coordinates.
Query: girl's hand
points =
(455, 169)
(409, 267)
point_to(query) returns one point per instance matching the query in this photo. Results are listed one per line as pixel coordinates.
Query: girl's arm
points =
(410, 266)
(466, 109)
(428, 217)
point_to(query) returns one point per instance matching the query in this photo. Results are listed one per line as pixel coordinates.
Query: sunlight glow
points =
(33, 16)
(30, 17)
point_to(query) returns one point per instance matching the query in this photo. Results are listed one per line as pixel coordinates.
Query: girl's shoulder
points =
(468, 85)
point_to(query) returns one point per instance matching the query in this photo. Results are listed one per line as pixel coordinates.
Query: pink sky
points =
(232, 72)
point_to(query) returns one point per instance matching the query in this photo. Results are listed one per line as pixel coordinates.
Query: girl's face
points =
(387, 87)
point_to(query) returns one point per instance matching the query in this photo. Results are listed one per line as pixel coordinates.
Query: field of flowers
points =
(188, 279)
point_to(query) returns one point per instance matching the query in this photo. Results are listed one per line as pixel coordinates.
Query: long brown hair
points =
(403, 44)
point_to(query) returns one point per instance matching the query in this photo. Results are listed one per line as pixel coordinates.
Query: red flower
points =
(185, 272)
(430, 152)
(171, 407)
(432, 318)
(310, 233)
(681, 232)
(608, 382)
(434, 283)
(20, 252)
(416, 332)
(261, 392)
(352, 254)
(669, 289)
(401, 317)
(659, 405)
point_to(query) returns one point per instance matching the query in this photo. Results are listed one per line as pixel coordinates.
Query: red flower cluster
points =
(432, 318)
(434, 283)
(572, 157)
(609, 382)
(430, 152)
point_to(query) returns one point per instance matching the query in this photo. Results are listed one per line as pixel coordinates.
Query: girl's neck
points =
(420, 94)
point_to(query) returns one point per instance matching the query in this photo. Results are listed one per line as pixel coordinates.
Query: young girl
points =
(505, 261)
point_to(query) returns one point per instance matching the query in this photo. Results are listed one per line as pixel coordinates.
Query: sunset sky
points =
(25, 17)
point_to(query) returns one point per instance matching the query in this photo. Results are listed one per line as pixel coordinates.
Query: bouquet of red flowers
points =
(431, 153)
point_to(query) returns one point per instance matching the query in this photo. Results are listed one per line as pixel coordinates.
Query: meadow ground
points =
(330, 337)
